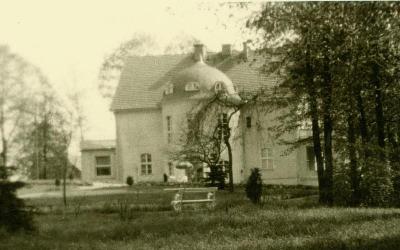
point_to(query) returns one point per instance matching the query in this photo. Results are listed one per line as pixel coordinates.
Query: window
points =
(145, 160)
(311, 162)
(169, 89)
(103, 165)
(171, 169)
(267, 158)
(223, 125)
(169, 129)
(219, 86)
(248, 122)
(191, 86)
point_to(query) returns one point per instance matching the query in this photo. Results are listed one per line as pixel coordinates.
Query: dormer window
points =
(169, 89)
(191, 86)
(218, 87)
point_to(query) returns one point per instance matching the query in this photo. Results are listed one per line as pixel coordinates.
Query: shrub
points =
(57, 182)
(165, 177)
(376, 184)
(396, 188)
(216, 177)
(254, 186)
(13, 213)
(129, 180)
(342, 193)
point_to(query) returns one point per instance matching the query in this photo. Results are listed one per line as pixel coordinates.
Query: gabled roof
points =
(97, 145)
(143, 78)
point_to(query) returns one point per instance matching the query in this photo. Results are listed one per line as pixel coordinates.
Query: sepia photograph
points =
(171, 124)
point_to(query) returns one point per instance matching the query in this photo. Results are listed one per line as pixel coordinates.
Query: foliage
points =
(43, 154)
(339, 70)
(216, 177)
(254, 186)
(13, 213)
(33, 119)
(209, 134)
(376, 185)
(129, 180)
(289, 192)
(341, 186)
(19, 82)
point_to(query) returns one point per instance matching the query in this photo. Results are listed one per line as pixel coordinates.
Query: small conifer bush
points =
(254, 186)
(165, 177)
(129, 180)
(13, 213)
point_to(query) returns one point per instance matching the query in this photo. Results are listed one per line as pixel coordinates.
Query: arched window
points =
(169, 89)
(145, 164)
(218, 87)
(191, 86)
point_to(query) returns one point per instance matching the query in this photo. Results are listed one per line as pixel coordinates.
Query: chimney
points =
(199, 53)
(226, 50)
(245, 51)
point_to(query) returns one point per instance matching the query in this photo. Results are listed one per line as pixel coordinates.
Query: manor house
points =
(151, 105)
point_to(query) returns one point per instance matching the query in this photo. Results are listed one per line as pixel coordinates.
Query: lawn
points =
(99, 222)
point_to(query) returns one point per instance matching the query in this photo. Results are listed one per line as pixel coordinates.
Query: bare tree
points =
(210, 133)
(16, 101)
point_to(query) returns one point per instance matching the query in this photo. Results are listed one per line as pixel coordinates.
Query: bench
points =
(179, 198)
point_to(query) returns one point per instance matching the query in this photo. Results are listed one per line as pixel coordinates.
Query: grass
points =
(234, 224)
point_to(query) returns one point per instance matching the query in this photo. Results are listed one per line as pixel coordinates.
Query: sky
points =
(69, 39)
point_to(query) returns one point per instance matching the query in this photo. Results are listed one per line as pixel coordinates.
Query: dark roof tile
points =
(143, 78)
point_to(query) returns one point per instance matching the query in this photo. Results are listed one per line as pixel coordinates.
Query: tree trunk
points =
(229, 148)
(44, 149)
(394, 157)
(328, 128)
(354, 173)
(37, 160)
(65, 181)
(4, 146)
(380, 121)
(4, 152)
(312, 94)
(363, 126)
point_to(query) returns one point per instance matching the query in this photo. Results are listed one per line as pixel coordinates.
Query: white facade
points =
(151, 109)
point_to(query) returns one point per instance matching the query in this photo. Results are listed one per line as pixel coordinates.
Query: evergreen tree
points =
(13, 213)
(254, 186)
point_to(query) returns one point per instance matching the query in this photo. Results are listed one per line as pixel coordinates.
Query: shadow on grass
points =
(385, 243)
(258, 223)
(234, 218)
